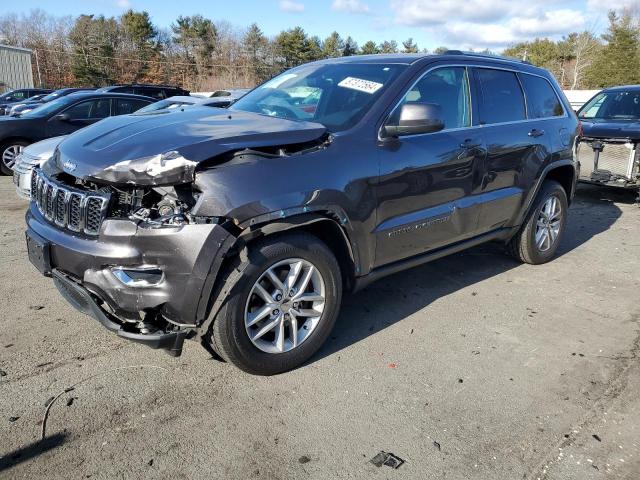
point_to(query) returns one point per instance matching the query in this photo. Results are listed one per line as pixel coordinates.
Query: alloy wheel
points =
(10, 154)
(285, 305)
(548, 223)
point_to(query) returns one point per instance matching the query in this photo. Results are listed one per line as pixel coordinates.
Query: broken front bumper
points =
(183, 261)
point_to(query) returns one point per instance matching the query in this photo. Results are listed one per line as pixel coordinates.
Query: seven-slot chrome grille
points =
(68, 207)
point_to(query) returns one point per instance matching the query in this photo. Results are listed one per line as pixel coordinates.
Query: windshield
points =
(163, 105)
(335, 95)
(613, 106)
(46, 108)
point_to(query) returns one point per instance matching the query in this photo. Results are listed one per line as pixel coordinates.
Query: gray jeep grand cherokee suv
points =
(241, 228)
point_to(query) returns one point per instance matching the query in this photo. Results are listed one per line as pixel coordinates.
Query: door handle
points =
(535, 133)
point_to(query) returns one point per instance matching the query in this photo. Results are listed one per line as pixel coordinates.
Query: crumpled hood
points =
(611, 128)
(165, 148)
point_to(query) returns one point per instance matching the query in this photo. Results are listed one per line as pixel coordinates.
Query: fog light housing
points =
(139, 276)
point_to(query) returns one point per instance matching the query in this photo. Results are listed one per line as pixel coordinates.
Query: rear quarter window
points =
(542, 101)
(501, 98)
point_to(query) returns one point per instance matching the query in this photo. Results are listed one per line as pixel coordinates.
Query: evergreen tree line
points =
(201, 54)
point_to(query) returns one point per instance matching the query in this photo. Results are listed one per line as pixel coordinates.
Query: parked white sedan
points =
(34, 154)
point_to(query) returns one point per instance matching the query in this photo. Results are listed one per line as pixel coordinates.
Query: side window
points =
(447, 88)
(91, 109)
(502, 99)
(542, 101)
(150, 92)
(19, 95)
(125, 106)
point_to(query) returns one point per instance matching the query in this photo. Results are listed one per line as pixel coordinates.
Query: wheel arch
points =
(16, 138)
(324, 225)
(563, 172)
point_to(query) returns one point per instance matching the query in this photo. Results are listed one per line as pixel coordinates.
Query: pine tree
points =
(333, 45)
(409, 46)
(350, 47)
(369, 48)
(389, 47)
(618, 62)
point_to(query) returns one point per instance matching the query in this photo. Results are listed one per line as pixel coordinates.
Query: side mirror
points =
(62, 117)
(416, 118)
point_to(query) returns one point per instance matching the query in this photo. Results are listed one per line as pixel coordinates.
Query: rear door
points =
(516, 146)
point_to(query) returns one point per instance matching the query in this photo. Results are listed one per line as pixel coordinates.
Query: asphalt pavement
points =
(471, 367)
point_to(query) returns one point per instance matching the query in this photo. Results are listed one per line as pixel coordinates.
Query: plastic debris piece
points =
(596, 437)
(388, 459)
(304, 459)
(437, 445)
(13, 419)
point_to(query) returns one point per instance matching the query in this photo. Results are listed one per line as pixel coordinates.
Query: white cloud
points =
(351, 6)
(123, 3)
(492, 24)
(618, 5)
(291, 6)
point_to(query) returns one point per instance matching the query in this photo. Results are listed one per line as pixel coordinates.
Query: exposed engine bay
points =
(609, 161)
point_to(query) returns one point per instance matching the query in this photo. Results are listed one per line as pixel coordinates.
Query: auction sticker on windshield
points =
(361, 85)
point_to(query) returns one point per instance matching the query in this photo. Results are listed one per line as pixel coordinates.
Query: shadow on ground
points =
(31, 451)
(396, 297)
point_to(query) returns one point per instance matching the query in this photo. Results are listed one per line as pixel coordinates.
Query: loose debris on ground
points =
(388, 459)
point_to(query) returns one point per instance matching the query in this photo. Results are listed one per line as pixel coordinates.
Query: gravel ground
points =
(471, 367)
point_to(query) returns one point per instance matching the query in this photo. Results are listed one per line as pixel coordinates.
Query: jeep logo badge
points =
(69, 165)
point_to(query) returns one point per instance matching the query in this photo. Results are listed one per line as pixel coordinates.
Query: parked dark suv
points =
(241, 228)
(155, 91)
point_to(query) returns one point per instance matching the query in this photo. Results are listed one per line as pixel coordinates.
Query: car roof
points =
(94, 94)
(623, 88)
(411, 58)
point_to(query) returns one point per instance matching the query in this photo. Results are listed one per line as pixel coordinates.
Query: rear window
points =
(542, 101)
(153, 92)
(502, 99)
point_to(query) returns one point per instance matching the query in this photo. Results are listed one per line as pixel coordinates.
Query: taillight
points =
(580, 129)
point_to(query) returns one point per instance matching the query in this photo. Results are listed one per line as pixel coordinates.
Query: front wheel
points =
(9, 151)
(282, 307)
(539, 238)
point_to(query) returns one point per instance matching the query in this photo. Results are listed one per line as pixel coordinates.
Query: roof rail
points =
(484, 55)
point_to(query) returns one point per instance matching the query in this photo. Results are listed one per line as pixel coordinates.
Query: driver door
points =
(80, 115)
(428, 181)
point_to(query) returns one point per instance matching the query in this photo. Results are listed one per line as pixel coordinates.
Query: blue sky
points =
(464, 24)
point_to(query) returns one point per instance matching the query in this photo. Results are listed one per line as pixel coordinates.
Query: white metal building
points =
(15, 68)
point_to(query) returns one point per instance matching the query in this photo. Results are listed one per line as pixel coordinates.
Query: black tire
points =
(228, 335)
(4, 169)
(523, 245)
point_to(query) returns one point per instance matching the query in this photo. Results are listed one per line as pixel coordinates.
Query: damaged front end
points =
(131, 217)
(609, 161)
(133, 257)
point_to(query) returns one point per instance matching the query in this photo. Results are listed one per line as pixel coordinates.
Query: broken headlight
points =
(169, 168)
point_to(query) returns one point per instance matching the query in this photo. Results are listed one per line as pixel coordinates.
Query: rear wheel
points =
(9, 151)
(539, 238)
(282, 308)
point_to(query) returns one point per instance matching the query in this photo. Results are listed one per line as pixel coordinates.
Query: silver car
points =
(34, 154)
